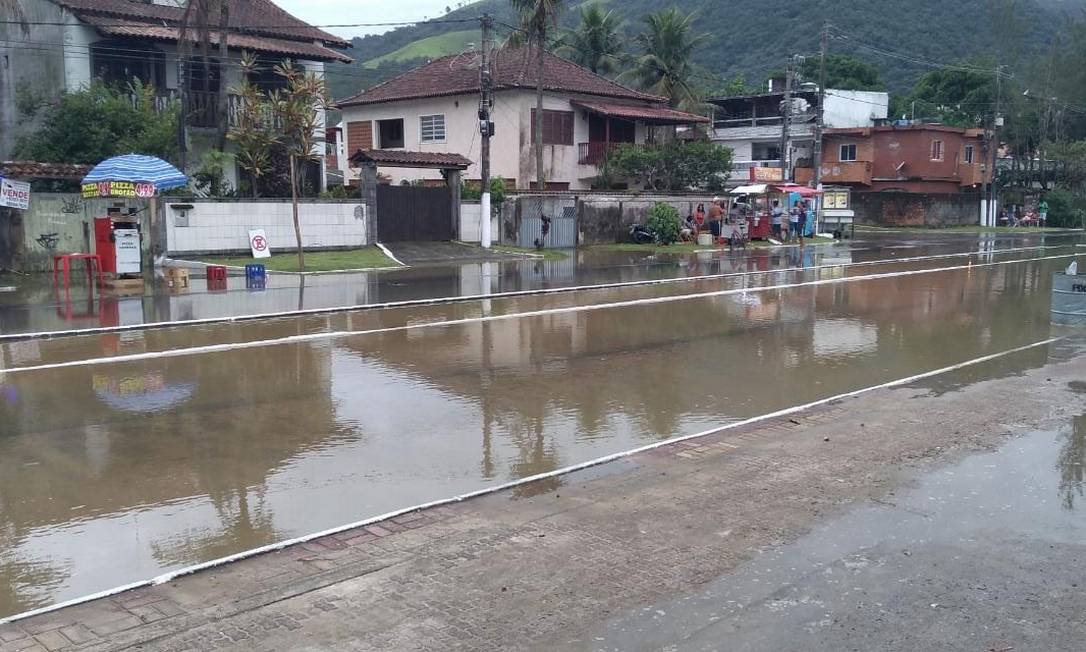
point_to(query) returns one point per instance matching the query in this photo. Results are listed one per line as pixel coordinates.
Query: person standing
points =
(801, 220)
(699, 216)
(793, 221)
(776, 219)
(1042, 212)
(716, 214)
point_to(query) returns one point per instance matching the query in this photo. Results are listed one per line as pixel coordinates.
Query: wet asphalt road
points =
(125, 454)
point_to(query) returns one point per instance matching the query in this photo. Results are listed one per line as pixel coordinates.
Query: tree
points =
(665, 67)
(734, 88)
(101, 121)
(595, 43)
(959, 96)
(537, 17)
(844, 72)
(252, 132)
(297, 110)
(672, 166)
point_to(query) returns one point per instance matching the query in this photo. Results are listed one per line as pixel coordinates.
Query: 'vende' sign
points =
(14, 194)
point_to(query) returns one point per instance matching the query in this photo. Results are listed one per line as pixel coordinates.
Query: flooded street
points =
(125, 454)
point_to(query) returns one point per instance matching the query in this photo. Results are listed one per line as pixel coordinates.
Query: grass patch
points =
(315, 261)
(431, 47)
(545, 254)
(960, 229)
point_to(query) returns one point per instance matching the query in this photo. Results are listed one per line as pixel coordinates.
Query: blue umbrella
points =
(138, 170)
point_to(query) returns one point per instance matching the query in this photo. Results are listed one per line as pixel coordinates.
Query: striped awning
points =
(143, 176)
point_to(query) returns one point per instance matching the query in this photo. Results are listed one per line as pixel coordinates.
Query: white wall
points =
(846, 109)
(471, 223)
(213, 226)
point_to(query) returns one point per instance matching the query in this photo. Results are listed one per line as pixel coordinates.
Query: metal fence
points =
(562, 231)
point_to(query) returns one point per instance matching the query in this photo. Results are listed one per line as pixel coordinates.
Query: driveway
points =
(418, 253)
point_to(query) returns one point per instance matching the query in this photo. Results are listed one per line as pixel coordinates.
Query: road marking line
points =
(497, 295)
(331, 335)
(172, 575)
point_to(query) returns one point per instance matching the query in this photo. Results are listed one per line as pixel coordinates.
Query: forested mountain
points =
(752, 38)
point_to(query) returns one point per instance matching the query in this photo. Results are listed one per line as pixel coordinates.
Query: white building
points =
(435, 108)
(752, 124)
(58, 45)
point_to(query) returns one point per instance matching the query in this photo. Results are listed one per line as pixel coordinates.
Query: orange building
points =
(914, 158)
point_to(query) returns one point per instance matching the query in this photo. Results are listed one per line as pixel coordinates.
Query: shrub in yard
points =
(665, 221)
(1065, 210)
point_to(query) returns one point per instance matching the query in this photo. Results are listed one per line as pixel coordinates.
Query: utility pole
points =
(486, 129)
(993, 147)
(786, 123)
(821, 115)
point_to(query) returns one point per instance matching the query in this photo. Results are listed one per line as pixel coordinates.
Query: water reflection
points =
(113, 474)
(1071, 463)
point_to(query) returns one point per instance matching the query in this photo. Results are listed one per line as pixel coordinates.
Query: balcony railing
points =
(847, 172)
(594, 153)
(203, 109)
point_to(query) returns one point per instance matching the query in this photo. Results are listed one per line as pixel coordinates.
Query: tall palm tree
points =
(595, 43)
(665, 67)
(537, 18)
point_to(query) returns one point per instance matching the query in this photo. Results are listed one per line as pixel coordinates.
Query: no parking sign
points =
(258, 243)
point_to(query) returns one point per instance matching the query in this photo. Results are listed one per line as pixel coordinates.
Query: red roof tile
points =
(307, 50)
(401, 158)
(653, 114)
(512, 68)
(262, 17)
(36, 170)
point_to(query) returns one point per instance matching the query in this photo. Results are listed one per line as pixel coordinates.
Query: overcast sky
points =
(339, 12)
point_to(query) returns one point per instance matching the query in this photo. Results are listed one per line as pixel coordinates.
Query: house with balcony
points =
(910, 158)
(435, 109)
(752, 125)
(68, 43)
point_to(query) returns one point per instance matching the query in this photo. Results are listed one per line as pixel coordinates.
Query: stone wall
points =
(913, 209)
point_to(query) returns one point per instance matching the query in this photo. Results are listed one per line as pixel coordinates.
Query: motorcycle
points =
(642, 234)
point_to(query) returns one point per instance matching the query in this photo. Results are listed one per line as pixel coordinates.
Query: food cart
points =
(755, 206)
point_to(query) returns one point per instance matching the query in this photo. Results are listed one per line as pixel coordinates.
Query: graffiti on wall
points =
(48, 240)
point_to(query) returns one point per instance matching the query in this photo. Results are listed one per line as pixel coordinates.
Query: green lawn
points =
(315, 261)
(429, 48)
(546, 254)
(960, 229)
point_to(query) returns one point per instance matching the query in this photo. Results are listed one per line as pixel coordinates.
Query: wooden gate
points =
(413, 213)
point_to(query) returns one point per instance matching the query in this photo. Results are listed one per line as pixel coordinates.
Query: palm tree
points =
(595, 43)
(537, 17)
(665, 67)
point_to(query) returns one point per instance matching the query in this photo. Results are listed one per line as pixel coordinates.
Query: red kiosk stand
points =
(117, 243)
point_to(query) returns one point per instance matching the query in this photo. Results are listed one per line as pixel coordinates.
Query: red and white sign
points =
(258, 242)
(14, 194)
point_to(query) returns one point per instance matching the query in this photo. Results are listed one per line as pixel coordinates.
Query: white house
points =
(58, 45)
(752, 124)
(435, 107)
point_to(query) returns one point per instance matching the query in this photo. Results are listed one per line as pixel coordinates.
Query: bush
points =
(665, 221)
(671, 166)
(1065, 210)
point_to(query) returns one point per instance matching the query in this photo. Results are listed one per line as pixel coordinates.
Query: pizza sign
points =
(127, 189)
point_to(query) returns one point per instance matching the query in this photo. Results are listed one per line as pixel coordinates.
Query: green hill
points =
(430, 47)
(751, 39)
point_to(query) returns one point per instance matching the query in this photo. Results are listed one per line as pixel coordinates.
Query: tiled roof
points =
(656, 115)
(512, 68)
(35, 170)
(303, 49)
(401, 158)
(258, 17)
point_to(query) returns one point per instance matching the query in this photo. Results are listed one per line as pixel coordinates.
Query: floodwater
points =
(153, 453)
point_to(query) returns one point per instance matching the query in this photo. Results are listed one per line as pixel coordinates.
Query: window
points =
(936, 150)
(848, 152)
(557, 127)
(432, 128)
(390, 133)
(968, 153)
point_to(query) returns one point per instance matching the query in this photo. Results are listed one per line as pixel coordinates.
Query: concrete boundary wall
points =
(914, 209)
(217, 226)
(601, 218)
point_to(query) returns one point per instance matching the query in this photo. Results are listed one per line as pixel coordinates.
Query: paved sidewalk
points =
(542, 567)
